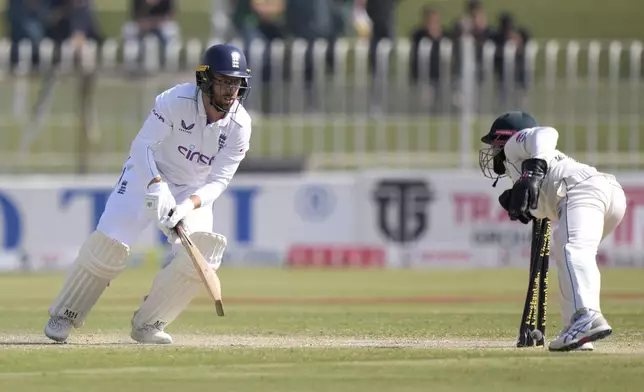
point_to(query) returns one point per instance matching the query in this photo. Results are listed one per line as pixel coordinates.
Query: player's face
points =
(226, 90)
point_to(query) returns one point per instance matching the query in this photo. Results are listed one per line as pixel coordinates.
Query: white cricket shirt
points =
(177, 143)
(563, 171)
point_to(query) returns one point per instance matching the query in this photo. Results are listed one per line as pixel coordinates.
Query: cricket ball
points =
(536, 335)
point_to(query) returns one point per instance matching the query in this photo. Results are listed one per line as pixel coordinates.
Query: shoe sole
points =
(56, 339)
(143, 341)
(592, 338)
(150, 342)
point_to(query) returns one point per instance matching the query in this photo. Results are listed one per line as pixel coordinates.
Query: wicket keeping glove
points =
(504, 200)
(525, 193)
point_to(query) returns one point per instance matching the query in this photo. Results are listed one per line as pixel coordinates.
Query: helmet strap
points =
(213, 104)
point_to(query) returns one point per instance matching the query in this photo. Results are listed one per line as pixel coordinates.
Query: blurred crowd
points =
(58, 20)
(75, 20)
(269, 20)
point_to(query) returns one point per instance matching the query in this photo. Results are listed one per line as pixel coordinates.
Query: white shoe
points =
(58, 328)
(149, 334)
(587, 326)
(588, 346)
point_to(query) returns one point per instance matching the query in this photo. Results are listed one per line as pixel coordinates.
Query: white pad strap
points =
(176, 285)
(99, 260)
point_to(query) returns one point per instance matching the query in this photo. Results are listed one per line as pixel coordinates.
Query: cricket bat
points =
(208, 276)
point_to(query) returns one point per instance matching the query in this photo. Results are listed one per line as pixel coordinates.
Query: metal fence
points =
(415, 105)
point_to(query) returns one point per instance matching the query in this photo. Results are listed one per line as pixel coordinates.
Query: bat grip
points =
(180, 225)
(180, 228)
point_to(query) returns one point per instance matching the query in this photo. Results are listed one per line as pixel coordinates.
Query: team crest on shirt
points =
(222, 141)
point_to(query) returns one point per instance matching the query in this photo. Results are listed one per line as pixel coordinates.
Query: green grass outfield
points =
(315, 330)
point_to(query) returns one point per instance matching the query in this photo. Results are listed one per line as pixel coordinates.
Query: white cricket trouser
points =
(125, 217)
(591, 210)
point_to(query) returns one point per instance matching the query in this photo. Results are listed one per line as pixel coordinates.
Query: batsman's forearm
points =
(222, 173)
(209, 192)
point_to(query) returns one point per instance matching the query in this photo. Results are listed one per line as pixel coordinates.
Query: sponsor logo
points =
(336, 256)
(195, 156)
(186, 128)
(315, 202)
(402, 209)
(158, 116)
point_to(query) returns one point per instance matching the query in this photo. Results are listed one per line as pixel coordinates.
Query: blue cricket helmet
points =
(227, 60)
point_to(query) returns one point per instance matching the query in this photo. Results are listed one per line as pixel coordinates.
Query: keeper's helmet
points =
(223, 76)
(503, 128)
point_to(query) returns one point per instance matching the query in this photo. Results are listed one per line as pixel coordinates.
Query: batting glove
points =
(178, 213)
(159, 200)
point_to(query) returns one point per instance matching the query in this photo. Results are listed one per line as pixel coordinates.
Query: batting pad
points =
(176, 285)
(99, 260)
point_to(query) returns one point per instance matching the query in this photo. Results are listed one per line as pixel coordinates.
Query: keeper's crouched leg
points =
(100, 259)
(174, 287)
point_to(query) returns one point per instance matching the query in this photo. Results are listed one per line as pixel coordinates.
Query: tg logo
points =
(402, 212)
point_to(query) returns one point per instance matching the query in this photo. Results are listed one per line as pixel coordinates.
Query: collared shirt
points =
(177, 143)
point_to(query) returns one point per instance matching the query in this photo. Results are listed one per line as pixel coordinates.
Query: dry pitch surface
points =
(186, 341)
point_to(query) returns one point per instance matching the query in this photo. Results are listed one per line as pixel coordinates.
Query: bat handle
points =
(180, 225)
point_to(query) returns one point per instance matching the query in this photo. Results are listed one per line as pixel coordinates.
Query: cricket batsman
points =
(181, 161)
(587, 204)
